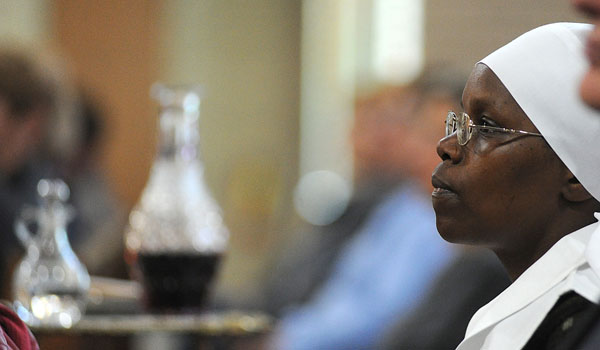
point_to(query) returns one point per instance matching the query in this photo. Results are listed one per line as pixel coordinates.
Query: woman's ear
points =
(573, 190)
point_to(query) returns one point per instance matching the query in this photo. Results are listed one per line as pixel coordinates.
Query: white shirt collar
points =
(547, 272)
(592, 252)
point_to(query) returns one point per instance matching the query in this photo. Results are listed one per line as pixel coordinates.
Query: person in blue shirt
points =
(383, 270)
(381, 273)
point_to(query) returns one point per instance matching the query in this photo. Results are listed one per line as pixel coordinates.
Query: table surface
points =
(226, 323)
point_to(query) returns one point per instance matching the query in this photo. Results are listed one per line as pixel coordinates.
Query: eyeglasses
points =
(463, 126)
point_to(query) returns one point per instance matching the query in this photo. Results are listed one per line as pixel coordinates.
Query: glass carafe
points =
(50, 284)
(176, 237)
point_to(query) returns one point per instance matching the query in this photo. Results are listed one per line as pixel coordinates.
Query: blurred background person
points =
(386, 257)
(590, 84)
(373, 139)
(26, 102)
(47, 131)
(439, 322)
(96, 231)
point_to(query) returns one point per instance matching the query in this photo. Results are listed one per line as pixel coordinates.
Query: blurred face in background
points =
(395, 134)
(590, 85)
(421, 136)
(19, 137)
(377, 132)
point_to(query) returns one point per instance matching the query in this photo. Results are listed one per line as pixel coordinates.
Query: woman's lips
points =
(440, 192)
(441, 188)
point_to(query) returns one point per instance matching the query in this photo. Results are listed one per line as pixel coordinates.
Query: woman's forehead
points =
(484, 79)
(485, 94)
(484, 88)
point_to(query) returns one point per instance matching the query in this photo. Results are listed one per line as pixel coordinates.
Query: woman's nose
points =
(448, 148)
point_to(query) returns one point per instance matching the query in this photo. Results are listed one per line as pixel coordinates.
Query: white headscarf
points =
(542, 69)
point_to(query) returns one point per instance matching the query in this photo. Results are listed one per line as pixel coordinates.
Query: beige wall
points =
(111, 47)
(461, 32)
(25, 21)
(246, 54)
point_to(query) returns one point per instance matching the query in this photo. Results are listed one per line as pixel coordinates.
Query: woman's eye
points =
(485, 130)
(485, 124)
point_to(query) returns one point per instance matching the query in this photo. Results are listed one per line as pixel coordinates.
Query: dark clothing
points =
(440, 321)
(16, 191)
(302, 268)
(566, 323)
(591, 340)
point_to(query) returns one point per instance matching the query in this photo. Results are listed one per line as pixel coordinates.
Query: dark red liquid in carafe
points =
(177, 282)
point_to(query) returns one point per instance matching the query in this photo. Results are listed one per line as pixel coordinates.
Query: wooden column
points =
(112, 46)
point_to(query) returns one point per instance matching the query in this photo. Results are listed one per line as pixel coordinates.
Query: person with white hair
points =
(590, 81)
(519, 175)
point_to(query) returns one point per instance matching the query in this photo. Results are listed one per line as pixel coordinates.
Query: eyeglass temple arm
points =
(506, 130)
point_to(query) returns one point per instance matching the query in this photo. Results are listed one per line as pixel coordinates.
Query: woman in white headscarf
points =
(519, 175)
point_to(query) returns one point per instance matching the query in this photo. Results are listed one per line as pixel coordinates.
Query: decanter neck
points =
(178, 133)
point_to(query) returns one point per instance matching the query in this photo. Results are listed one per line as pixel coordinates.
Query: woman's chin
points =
(451, 231)
(448, 231)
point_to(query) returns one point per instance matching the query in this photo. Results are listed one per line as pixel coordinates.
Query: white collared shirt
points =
(592, 252)
(508, 321)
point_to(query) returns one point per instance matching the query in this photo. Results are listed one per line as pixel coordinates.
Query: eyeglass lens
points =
(450, 123)
(464, 130)
(459, 124)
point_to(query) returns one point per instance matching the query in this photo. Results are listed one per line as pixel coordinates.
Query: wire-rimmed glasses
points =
(464, 127)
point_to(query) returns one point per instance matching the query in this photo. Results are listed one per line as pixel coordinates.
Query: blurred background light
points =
(322, 196)
(398, 40)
